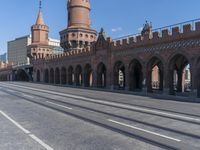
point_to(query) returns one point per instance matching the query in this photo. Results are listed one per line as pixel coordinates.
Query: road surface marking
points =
(147, 131)
(25, 95)
(10, 90)
(59, 105)
(15, 123)
(40, 142)
(114, 104)
(47, 147)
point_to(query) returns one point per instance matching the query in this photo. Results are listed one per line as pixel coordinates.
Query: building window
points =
(73, 34)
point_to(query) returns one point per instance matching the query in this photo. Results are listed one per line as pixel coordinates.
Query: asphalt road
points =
(45, 117)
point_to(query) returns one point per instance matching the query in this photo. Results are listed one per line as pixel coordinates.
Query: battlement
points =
(75, 52)
(40, 27)
(168, 33)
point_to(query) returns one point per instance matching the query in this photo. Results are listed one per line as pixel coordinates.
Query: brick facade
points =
(134, 57)
(126, 64)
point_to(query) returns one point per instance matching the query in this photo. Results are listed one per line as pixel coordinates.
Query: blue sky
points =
(117, 17)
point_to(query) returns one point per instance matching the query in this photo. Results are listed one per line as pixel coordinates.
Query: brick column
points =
(94, 76)
(127, 79)
(144, 82)
(194, 81)
(166, 81)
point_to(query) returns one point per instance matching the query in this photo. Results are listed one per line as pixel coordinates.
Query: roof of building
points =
(40, 20)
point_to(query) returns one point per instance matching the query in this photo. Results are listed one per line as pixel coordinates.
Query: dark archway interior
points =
(57, 76)
(198, 80)
(38, 75)
(63, 76)
(22, 75)
(70, 75)
(52, 76)
(3, 78)
(135, 75)
(46, 76)
(101, 75)
(78, 76)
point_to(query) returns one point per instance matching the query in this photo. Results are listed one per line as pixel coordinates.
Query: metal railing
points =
(159, 30)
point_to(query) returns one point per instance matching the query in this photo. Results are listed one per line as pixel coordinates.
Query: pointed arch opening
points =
(135, 75)
(22, 75)
(155, 75)
(180, 75)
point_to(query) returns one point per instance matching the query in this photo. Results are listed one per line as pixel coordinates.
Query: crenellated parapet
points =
(161, 35)
(40, 27)
(66, 55)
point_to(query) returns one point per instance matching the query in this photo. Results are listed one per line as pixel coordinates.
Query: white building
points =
(57, 49)
(17, 49)
(3, 57)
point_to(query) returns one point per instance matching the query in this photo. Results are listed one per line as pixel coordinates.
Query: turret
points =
(39, 30)
(39, 47)
(78, 34)
(147, 30)
(78, 13)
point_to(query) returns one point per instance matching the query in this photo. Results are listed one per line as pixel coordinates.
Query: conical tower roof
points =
(40, 20)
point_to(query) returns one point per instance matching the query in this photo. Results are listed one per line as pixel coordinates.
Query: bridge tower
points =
(79, 34)
(39, 47)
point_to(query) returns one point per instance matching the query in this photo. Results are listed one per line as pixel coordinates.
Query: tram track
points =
(123, 103)
(166, 114)
(83, 108)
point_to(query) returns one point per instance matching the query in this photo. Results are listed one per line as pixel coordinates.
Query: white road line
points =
(15, 123)
(40, 142)
(114, 104)
(10, 90)
(59, 105)
(47, 147)
(143, 130)
(25, 95)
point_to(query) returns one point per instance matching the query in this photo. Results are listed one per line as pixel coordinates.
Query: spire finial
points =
(40, 4)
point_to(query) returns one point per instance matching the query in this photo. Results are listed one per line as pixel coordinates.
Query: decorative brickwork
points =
(154, 61)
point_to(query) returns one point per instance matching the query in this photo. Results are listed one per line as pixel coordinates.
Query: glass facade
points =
(3, 57)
